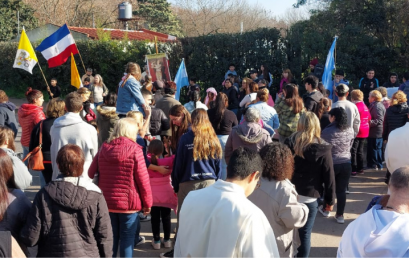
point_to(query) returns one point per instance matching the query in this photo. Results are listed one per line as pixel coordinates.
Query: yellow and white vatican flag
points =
(26, 58)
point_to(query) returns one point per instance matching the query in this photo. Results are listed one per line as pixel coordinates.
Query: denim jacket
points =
(267, 114)
(130, 97)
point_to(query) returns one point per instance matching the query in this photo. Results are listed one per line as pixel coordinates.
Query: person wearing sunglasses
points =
(225, 223)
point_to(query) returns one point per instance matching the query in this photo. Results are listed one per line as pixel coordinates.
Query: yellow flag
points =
(26, 58)
(75, 76)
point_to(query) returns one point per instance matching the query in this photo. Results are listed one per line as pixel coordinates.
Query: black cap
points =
(253, 71)
(340, 72)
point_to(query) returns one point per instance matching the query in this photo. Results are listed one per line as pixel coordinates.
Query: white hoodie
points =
(219, 221)
(71, 129)
(376, 233)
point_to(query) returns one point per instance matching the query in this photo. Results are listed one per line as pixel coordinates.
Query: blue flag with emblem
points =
(181, 79)
(329, 67)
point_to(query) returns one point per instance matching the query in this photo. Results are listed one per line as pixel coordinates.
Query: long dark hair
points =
(265, 73)
(322, 106)
(292, 98)
(155, 148)
(341, 118)
(194, 96)
(177, 132)
(6, 181)
(220, 107)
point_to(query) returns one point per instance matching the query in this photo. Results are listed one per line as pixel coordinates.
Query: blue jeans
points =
(124, 226)
(223, 140)
(25, 152)
(374, 152)
(305, 232)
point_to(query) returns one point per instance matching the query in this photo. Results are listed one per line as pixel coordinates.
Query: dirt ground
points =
(326, 232)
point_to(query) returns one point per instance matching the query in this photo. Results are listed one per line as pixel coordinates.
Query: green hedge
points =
(107, 58)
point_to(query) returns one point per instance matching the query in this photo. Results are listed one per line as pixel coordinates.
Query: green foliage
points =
(158, 16)
(104, 35)
(372, 34)
(8, 18)
(107, 58)
(208, 57)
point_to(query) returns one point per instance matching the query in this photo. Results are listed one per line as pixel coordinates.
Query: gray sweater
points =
(354, 120)
(22, 176)
(341, 142)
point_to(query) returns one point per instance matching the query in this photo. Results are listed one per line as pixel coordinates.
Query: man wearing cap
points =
(88, 75)
(354, 120)
(254, 75)
(339, 78)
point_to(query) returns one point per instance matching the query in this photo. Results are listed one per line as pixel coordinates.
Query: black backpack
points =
(319, 71)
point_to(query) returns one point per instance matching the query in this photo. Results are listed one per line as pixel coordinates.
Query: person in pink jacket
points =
(357, 150)
(164, 198)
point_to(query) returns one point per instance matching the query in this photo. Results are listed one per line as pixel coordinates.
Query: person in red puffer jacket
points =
(357, 150)
(124, 181)
(29, 115)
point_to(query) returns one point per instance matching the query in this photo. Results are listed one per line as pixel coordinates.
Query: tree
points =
(8, 18)
(158, 16)
(206, 17)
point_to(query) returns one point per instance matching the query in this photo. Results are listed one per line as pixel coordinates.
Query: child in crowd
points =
(87, 82)
(385, 100)
(164, 198)
(54, 91)
(231, 70)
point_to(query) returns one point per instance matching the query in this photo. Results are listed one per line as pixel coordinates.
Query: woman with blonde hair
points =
(124, 181)
(87, 112)
(198, 159)
(396, 115)
(129, 92)
(357, 150)
(313, 173)
(375, 141)
(98, 90)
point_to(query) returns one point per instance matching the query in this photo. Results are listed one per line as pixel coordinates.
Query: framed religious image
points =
(158, 67)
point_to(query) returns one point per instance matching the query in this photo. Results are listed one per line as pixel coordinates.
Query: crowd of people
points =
(245, 172)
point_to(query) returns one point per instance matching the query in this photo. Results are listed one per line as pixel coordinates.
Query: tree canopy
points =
(8, 18)
(158, 16)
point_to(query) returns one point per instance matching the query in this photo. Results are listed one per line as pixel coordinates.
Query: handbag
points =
(35, 157)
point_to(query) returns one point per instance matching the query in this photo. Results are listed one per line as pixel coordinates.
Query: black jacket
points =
(56, 91)
(366, 86)
(233, 99)
(8, 117)
(35, 137)
(69, 219)
(311, 100)
(324, 121)
(314, 173)
(159, 122)
(377, 110)
(396, 116)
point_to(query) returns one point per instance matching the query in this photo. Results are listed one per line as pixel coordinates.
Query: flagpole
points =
(48, 87)
(335, 63)
(78, 51)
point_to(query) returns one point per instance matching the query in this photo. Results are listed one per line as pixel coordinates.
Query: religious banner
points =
(158, 67)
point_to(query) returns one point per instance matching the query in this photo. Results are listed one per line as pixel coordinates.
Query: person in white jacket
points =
(277, 198)
(71, 129)
(383, 230)
(397, 148)
(224, 223)
(22, 176)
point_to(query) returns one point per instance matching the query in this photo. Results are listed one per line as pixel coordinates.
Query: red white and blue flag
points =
(57, 48)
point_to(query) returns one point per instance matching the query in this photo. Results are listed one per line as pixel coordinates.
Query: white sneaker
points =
(141, 241)
(324, 213)
(340, 219)
(167, 243)
(156, 244)
(347, 192)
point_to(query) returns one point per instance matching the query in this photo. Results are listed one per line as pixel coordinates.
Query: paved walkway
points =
(326, 232)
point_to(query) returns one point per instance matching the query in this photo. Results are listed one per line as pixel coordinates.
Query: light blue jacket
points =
(130, 97)
(267, 114)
